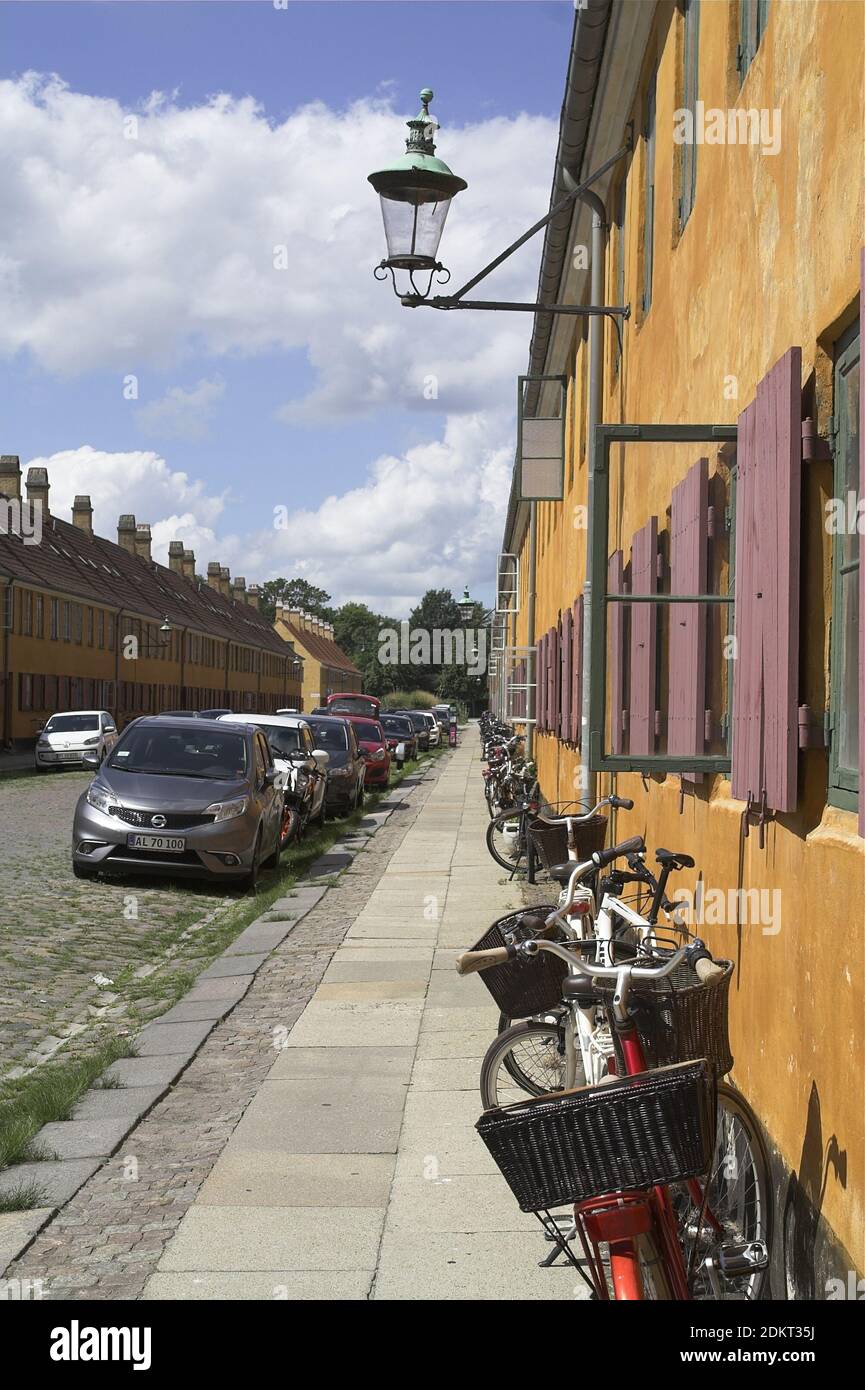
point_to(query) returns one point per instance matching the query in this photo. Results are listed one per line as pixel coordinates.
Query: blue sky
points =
(498, 69)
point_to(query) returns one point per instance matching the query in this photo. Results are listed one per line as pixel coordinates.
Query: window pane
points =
(848, 687)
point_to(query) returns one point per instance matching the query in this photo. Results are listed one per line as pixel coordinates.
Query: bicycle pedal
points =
(742, 1257)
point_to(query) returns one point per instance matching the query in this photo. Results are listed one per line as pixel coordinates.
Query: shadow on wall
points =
(804, 1271)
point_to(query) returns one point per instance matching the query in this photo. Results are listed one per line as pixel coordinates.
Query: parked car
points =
(301, 768)
(182, 797)
(178, 714)
(420, 726)
(400, 732)
(214, 713)
(366, 706)
(66, 738)
(346, 770)
(434, 730)
(372, 741)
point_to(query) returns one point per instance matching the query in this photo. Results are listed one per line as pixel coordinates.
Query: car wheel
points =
(290, 827)
(360, 797)
(83, 870)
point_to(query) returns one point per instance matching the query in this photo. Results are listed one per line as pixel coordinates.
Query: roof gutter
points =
(587, 50)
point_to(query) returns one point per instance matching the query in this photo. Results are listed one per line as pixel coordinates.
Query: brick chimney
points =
(142, 540)
(225, 581)
(189, 565)
(37, 488)
(175, 556)
(214, 572)
(126, 532)
(238, 589)
(82, 513)
(10, 475)
(253, 595)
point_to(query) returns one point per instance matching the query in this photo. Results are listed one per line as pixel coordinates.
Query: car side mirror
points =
(322, 757)
(269, 776)
(91, 759)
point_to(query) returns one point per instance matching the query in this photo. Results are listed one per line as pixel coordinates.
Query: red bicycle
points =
(650, 1168)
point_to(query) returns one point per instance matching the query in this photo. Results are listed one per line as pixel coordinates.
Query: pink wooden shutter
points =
(616, 626)
(567, 658)
(552, 661)
(577, 673)
(861, 560)
(644, 627)
(540, 683)
(767, 586)
(689, 514)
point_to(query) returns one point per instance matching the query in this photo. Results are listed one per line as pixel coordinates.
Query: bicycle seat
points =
(562, 872)
(676, 861)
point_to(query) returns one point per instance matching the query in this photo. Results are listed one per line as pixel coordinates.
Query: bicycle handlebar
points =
(471, 961)
(617, 802)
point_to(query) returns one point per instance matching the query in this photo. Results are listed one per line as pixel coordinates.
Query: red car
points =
(372, 741)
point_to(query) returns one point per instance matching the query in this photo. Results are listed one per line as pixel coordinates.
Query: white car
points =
(64, 740)
(434, 731)
(301, 769)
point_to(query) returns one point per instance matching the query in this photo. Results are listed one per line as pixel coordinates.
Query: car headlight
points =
(226, 810)
(378, 755)
(89, 742)
(43, 743)
(100, 798)
(340, 772)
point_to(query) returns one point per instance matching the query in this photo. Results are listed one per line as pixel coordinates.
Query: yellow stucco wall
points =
(769, 259)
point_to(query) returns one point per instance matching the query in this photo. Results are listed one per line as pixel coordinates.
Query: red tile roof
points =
(322, 649)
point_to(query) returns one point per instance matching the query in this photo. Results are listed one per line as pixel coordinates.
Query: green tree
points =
(295, 594)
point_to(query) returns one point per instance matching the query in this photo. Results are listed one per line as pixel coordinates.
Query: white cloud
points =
(138, 481)
(429, 519)
(180, 413)
(125, 253)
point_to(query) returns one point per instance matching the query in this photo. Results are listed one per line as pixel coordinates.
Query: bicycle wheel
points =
(739, 1196)
(637, 1271)
(506, 840)
(527, 1059)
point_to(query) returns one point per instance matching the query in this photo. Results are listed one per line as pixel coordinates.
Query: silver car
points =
(66, 738)
(183, 797)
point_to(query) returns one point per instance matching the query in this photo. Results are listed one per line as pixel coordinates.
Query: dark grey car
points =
(181, 796)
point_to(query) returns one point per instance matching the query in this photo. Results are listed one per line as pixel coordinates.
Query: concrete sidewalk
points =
(356, 1172)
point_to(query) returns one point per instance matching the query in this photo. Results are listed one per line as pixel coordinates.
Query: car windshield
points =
(72, 724)
(397, 725)
(283, 742)
(171, 752)
(353, 704)
(367, 731)
(329, 735)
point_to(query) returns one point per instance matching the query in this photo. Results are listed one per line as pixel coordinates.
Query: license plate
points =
(166, 844)
(69, 757)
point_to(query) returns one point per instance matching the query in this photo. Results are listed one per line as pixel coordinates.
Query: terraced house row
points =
(90, 623)
(711, 444)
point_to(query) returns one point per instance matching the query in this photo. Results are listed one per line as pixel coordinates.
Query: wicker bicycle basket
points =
(679, 1018)
(657, 1127)
(551, 841)
(523, 986)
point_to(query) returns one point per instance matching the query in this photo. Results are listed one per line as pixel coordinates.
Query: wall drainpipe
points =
(532, 664)
(594, 416)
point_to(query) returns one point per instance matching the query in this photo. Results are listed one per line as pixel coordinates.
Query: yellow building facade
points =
(732, 252)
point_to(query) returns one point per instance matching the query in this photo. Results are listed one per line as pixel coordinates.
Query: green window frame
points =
(843, 647)
(599, 759)
(753, 18)
(649, 136)
(690, 90)
(621, 210)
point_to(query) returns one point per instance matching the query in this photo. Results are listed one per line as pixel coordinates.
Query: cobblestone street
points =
(57, 933)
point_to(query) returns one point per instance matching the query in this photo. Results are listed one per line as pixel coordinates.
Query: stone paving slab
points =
(147, 1071)
(197, 1010)
(267, 1178)
(104, 1104)
(172, 1039)
(352, 1115)
(17, 1229)
(56, 1182)
(388, 1064)
(289, 1284)
(260, 937)
(224, 987)
(86, 1138)
(487, 1266)
(230, 966)
(248, 1238)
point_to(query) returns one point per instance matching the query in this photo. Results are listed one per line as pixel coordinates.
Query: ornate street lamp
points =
(466, 605)
(415, 192)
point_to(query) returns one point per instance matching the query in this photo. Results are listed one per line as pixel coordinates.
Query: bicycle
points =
(736, 1198)
(508, 836)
